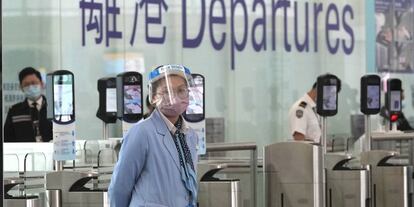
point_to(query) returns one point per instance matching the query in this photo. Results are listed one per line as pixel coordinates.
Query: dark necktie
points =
(35, 119)
(179, 139)
(187, 175)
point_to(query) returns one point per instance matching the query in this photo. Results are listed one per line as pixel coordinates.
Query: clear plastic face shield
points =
(170, 89)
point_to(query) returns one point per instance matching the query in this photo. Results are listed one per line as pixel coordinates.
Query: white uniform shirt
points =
(304, 119)
(39, 102)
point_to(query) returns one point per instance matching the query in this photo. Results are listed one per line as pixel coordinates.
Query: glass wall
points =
(258, 57)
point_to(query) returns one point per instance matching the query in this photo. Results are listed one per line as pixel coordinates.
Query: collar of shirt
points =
(171, 126)
(309, 100)
(39, 102)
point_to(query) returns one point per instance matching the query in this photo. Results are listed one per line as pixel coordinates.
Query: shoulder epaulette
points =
(303, 104)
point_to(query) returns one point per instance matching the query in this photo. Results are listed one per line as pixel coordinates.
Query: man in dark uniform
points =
(26, 121)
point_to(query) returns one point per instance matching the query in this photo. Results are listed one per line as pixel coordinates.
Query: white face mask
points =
(33, 92)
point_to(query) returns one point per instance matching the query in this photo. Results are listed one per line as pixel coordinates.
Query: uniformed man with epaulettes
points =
(303, 119)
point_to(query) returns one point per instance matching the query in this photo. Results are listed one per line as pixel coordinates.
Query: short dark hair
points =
(315, 85)
(28, 71)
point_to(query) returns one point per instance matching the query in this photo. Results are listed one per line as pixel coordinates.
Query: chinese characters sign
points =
(328, 24)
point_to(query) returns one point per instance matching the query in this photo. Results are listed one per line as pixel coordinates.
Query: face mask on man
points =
(172, 108)
(32, 92)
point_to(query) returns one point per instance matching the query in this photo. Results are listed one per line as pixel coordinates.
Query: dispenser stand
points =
(324, 145)
(324, 134)
(105, 131)
(367, 146)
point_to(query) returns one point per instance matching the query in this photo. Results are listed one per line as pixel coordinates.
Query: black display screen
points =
(395, 100)
(132, 99)
(329, 97)
(373, 97)
(63, 95)
(196, 109)
(129, 96)
(196, 105)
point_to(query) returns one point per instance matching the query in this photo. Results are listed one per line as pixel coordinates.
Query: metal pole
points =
(367, 142)
(324, 133)
(221, 147)
(324, 145)
(105, 131)
(58, 165)
(253, 171)
(411, 159)
(387, 125)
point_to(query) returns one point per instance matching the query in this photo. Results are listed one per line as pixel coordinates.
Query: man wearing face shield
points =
(158, 159)
(26, 121)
